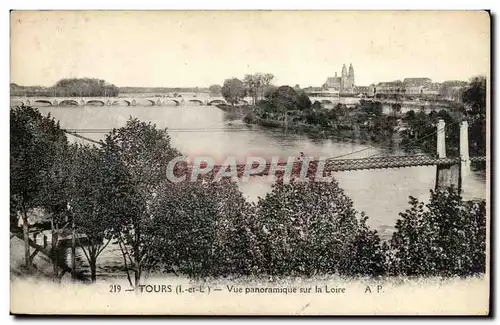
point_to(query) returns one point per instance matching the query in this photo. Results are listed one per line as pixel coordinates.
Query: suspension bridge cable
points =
(82, 137)
(75, 131)
(436, 132)
(412, 142)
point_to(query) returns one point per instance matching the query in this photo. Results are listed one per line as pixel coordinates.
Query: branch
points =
(127, 252)
(64, 227)
(125, 262)
(99, 251)
(83, 249)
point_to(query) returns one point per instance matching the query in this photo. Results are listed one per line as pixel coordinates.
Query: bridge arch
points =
(177, 102)
(217, 101)
(121, 102)
(68, 102)
(43, 101)
(144, 102)
(326, 101)
(243, 102)
(196, 101)
(96, 102)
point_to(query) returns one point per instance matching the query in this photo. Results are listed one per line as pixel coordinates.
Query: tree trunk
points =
(53, 251)
(27, 254)
(137, 276)
(138, 257)
(125, 262)
(73, 251)
(93, 267)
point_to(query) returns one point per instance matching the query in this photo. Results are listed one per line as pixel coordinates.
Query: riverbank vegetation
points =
(70, 87)
(117, 193)
(414, 131)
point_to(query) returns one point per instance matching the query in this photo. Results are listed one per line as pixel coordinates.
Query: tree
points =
(101, 194)
(446, 237)
(303, 101)
(311, 228)
(200, 229)
(316, 105)
(257, 84)
(233, 90)
(54, 194)
(268, 90)
(215, 90)
(375, 108)
(145, 152)
(91, 87)
(284, 99)
(267, 78)
(253, 84)
(474, 96)
(36, 146)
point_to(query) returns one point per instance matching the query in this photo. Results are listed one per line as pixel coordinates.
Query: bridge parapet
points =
(128, 101)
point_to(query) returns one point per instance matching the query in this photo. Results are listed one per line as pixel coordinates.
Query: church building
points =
(343, 84)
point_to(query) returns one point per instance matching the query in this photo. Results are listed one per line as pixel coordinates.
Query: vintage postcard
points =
(250, 162)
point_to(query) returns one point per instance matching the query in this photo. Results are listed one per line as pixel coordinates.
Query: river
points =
(207, 130)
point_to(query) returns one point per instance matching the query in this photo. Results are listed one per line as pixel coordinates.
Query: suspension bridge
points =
(449, 171)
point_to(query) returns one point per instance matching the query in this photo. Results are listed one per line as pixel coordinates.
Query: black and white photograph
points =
(254, 162)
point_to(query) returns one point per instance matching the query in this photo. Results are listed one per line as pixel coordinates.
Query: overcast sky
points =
(151, 48)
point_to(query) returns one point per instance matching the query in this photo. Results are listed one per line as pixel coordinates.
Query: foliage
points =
(200, 229)
(70, 87)
(145, 152)
(215, 89)
(34, 145)
(257, 84)
(37, 153)
(312, 228)
(372, 108)
(283, 99)
(446, 237)
(420, 133)
(474, 96)
(84, 87)
(101, 195)
(253, 84)
(233, 90)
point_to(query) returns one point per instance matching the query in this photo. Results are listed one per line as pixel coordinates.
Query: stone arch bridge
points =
(119, 101)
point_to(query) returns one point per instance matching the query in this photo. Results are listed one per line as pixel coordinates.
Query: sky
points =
(200, 48)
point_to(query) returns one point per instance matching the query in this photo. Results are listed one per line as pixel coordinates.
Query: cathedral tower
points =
(343, 80)
(350, 77)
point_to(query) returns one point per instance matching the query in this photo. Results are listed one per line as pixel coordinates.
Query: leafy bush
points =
(311, 228)
(446, 237)
(200, 229)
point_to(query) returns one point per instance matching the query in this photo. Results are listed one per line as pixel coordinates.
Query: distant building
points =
(431, 89)
(416, 86)
(452, 90)
(390, 87)
(417, 81)
(368, 91)
(343, 84)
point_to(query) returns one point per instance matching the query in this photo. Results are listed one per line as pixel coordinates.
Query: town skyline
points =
(181, 49)
(291, 84)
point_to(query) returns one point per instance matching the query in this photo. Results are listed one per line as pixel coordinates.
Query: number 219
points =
(115, 288)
